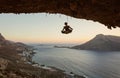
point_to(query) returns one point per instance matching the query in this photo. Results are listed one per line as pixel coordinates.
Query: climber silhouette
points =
(66, 29)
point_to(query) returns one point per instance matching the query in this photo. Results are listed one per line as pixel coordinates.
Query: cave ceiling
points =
(106, 12)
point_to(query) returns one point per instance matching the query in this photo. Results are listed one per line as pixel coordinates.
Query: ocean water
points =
(89, 63)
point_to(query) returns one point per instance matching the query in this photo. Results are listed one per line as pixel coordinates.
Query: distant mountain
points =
(4, 43)
(61, 46)
(101, 43)
(1, 37)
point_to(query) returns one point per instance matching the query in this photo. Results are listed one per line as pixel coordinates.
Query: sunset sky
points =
(46, 28)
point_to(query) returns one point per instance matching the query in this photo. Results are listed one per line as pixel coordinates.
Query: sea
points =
(91, 64)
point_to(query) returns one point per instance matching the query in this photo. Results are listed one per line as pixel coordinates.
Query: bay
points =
(92, 64)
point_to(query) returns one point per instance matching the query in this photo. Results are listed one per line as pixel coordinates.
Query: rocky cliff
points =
(4, 42)
(106, 12)
(101, 43)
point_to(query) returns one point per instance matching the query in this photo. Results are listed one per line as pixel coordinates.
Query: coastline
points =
(29, 53)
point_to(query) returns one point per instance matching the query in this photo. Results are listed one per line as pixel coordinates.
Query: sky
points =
(46, 28)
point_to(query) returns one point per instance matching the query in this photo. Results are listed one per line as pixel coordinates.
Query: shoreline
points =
(30, 53)
(17, 63)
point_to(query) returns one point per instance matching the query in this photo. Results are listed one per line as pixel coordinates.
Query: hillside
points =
(101, 43)
(15, 62)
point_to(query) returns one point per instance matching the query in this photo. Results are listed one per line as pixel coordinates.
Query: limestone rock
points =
(106, 12)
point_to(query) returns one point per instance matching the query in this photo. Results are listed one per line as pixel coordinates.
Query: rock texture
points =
(3, 64)
(106, 12)
(101, 43)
